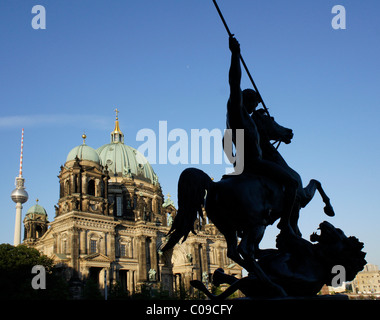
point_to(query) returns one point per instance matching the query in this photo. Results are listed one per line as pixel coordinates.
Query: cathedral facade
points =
(111, 221)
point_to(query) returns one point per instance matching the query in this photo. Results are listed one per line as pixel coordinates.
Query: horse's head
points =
(335, 248)
(270, 129)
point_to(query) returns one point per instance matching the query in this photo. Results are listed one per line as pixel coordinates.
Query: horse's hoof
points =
(328, 209)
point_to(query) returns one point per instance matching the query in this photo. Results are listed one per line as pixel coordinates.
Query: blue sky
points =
(168, 61)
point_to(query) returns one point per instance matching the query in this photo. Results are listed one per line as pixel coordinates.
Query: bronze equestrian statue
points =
(264, 190)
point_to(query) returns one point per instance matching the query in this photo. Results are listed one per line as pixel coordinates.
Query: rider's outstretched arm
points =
(235, 73)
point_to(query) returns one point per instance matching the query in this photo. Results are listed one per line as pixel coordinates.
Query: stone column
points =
(105, 181)
(84, 184)
(83, 241)
(75, 250)
(197, 263)
(55, 245)
(111, 245)
(153, 256)
(102, 240)
(115, 276)
(204, 258)
(133, 279)
(141, 253)
(72, 183)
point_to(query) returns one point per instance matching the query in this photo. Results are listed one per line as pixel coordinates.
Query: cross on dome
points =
(116, 135)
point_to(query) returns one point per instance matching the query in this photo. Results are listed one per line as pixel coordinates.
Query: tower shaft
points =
(17, 235)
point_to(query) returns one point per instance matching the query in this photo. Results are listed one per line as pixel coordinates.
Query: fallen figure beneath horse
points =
(298, 266)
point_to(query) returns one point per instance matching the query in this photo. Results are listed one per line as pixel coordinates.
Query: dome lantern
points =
(116, 135)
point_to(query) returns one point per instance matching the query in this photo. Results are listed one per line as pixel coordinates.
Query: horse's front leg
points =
(232, 246)
(248, 248)
(309, 192)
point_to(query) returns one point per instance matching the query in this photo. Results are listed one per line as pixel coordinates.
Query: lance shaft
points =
(241, 58)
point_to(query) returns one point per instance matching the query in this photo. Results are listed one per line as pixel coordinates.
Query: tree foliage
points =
(16, 263)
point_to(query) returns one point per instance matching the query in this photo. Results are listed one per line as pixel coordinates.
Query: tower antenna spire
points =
(22, 151)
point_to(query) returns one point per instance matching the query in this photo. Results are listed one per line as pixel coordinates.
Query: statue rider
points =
(240, 106)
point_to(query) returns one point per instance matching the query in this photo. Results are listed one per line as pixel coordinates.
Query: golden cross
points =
(117, 113)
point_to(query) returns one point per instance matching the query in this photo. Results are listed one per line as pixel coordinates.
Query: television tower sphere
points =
(19, 195)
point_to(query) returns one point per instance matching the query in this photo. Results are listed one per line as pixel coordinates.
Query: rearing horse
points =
(266, 127)
(241, 205)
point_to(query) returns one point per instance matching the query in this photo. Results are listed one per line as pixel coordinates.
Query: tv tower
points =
(19, 196)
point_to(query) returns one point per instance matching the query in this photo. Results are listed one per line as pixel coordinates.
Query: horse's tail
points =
(192, 186)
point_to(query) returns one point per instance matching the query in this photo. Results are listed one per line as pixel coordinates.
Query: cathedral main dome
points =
(123, 160)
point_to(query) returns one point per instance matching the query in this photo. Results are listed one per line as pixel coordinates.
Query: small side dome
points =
(168, 202)
(83, 152)
(36, 210)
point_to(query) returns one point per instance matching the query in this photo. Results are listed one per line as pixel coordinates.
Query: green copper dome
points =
(123, 160)
(37, 209)
(126, 161)
(37, 213)
(83, 152)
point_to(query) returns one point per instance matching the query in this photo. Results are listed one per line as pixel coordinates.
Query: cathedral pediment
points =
(97, 257)
(61, 257)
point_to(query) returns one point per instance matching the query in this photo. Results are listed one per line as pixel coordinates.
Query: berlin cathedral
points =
(111, 221)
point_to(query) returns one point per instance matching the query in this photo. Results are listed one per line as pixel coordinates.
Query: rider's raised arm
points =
(235, 74)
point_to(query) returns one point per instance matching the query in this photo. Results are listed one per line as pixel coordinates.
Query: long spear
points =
(241, 58)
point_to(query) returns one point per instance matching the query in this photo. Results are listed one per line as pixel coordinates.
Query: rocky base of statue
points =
(298, 268)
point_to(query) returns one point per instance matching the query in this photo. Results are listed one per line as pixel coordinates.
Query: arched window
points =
(39, 232)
